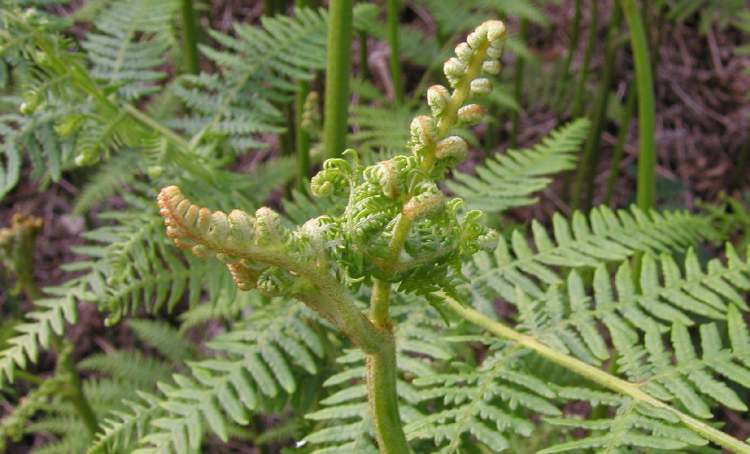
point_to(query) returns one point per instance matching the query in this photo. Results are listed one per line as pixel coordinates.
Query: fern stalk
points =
(584, 186)
(614, 169)
(302, 137)
(594, 374)
(75, 389)
(577, 109)
(518, 85)
(338, 69)
(646, 186)
(392, 7)
(572, 45)
(190, 41)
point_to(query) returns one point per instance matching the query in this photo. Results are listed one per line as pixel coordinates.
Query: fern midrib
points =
(594, 374)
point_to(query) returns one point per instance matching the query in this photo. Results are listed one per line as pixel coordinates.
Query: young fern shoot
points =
(397, 228)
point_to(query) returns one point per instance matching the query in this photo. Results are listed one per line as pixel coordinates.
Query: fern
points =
(605, 237)
(263, 354)
(131, 45)
(508, 180)
(347, 425)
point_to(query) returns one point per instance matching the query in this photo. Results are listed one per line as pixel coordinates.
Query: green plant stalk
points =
(594, 374)
(383, 400)
(302, 138)
(76, 395)
(190, 41)
(392, 7)
(584, 185)
(646, 185)
(518, 85)
(572, 45)
(622, 136)
(338, 69)
(362, 35)
(577, 109)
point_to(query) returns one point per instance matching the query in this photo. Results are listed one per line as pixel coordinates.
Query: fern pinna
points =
(614, 309)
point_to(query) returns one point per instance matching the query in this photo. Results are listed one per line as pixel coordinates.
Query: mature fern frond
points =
(379, 128)
(264, 354)
(634, 425)
(131, 44)
(509, 179)
(257, 72)
(120, 428)
(487, 402)
(53, 311)
(568, 320)
(33, 136)
(347, 422)
(696, 382)
(606, 236)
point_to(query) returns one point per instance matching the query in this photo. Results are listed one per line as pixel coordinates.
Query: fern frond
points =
(606, 236)
(131, 44)
(568, 320)
(53, 311)
(508, 180)
(120, 428)
(264, 354)
(488, 402)
(634, 425)
(163, 337)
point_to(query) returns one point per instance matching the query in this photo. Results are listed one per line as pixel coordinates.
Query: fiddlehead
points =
(397, 227)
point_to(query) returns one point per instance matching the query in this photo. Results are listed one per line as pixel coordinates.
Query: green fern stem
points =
(302, 137)
(584, 186)
(614, 169)
(383, 399)
(392, 7)
(75, 389)
(594, 374)
(518, 85)
(338, 69)
(577, 109)
(646, 186)
(190, 41)
(572, 45)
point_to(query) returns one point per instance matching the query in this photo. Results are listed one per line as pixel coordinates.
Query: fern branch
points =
(594, 374)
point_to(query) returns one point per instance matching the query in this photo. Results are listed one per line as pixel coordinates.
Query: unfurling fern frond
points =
(509, 180)
(262, 359)
(606, 236)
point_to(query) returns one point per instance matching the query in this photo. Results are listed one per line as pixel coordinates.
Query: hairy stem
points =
(622, 136)
(383, 399)
(338, 69)
(518, 85)
(379, 301)
(584, 186)
(594, 374)
(646, 186)
(577, 109)
(189, 37)
(392, 7)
